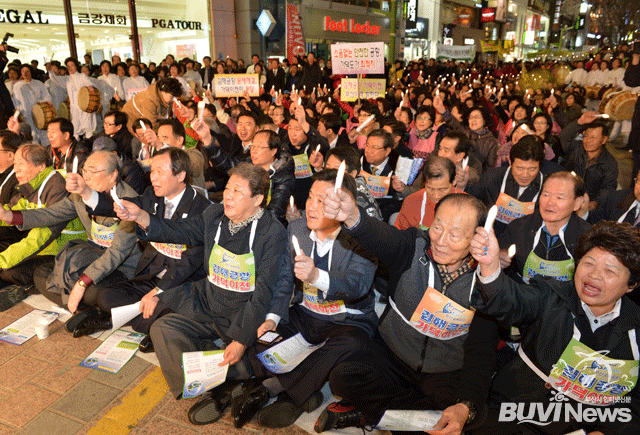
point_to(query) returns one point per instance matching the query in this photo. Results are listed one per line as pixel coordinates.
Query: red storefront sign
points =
(349, 26)
(295, 40)
(488, 15)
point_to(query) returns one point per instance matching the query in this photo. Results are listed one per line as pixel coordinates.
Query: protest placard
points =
(360, 58)
(234, 85)
(369, 88)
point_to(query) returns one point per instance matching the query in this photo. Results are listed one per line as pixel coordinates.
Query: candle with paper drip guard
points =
(465, 162)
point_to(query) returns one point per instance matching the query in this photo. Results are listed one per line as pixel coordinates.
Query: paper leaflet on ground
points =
(23, 329)
(286, 355)
(114, 352)
(120, 316)
(202, 372)
(407, 169)
(399, 420)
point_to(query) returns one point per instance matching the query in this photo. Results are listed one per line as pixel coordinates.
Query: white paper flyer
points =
(286, 355)
(23, 329)
(114, 352)
(399, 420)
(202, 372)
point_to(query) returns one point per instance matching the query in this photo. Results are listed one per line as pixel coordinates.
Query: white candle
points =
(340, 176)
(16, 114)
(512, 251)
(114, 195)
(465, 162)
(292, 203)
(296, 245)
(491, 216)
(75, 165)
(144, 127)
(201, 110)
(365, 123)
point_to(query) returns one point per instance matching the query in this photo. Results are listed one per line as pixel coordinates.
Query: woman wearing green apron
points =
(579, 350)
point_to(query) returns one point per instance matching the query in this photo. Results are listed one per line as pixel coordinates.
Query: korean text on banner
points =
(361, 58)
(234, 85)
(459, 52)
(295, 39)
(369, 88)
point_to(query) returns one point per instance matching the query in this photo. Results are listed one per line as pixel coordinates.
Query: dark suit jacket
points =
(190, 266)
(211, 74)
(613, 207)
(276, 80)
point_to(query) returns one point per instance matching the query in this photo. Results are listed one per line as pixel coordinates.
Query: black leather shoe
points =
(71, 324)
(245, 407)
(210, 408)
(285, 411)
(91, 325)
(146, 345)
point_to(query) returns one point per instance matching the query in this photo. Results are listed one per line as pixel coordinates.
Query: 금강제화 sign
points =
(358, 58)
(459, 52)
(369, 88)
(234, 85)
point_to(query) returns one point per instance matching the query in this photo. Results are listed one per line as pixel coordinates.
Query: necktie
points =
(637, 221)
(375, 170)
(168, 210)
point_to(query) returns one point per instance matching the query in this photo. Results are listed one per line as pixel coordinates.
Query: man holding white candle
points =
(162, 265)
(547, 238)
(432, 352)
(111, 252)
(38, 186)
(329, 281)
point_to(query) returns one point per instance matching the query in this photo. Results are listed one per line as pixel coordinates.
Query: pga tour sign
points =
(360, 58)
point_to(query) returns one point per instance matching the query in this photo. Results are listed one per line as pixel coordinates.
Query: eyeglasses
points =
(476, 117)
(371, 147)
(423, 118)
(110, 124)
(91, 171)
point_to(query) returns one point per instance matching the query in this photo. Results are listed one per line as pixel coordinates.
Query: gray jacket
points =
(124, 252)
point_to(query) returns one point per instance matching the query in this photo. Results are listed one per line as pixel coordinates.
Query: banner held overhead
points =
(358, 58)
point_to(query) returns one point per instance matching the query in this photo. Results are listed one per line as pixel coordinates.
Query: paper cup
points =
(42, 328)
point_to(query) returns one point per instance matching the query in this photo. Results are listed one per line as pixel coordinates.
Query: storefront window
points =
(103, 28)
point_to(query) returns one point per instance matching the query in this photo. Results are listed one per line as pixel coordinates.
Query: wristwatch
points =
(82, 284)
(472, 409)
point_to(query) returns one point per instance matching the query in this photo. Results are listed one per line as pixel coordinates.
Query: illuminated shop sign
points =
(349, 26)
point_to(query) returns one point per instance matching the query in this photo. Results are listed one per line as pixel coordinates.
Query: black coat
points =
(522, 232)
(613, 207)
(601, 177)
(277, 81)
(189, 266)
(282, 185)
(545, 312)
